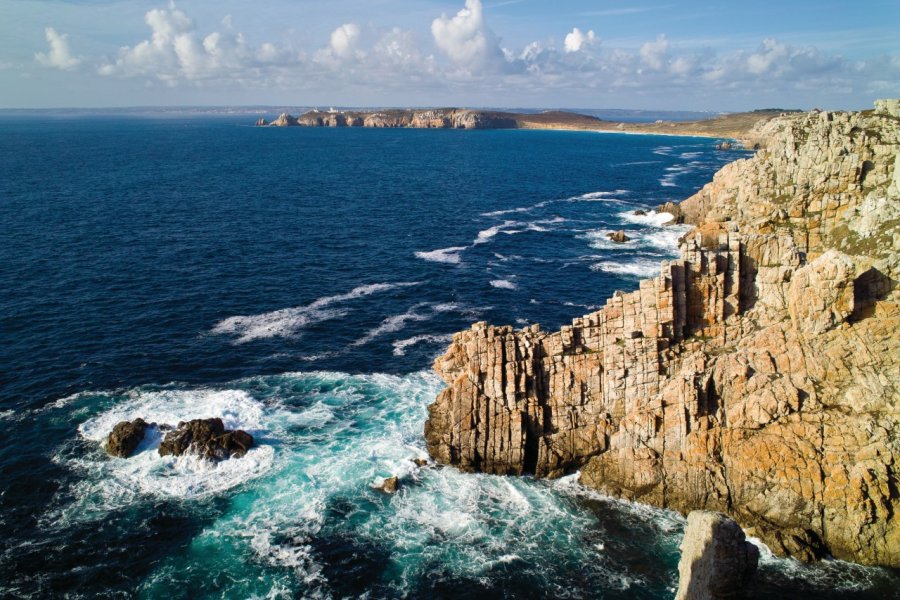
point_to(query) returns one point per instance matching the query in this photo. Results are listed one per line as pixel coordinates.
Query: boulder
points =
(820, 295)
(618, 236)
(640, 213)
(716, 559)
(125, 437)
(389, 485)
(208, 438)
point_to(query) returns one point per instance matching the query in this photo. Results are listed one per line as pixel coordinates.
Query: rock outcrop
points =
(717, 561)
(125, 437)
(450, 118)
(207, 438)
(618, 237)
(758, 375)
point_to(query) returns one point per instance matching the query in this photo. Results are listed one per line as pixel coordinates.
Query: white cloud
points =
(367, 65)
(576, 40)
(59, 55)
(177, 51)
(654, 53)
(465, 38)
(771, 52)
(344, 40)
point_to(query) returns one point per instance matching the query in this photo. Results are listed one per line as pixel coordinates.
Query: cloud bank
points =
(464, 57)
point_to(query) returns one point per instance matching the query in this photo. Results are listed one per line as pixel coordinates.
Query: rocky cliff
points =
(448, 118)
(758, 375)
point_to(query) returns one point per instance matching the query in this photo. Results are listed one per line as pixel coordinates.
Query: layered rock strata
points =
(758, 375)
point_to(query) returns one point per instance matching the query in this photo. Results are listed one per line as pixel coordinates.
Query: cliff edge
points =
(758, 375)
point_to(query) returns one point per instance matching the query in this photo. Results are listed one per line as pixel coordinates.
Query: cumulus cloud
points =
(576, 40)
(60, 54)
(472, 66)
(465, 38)
(654, 53)
(177, 51)
(345, 39)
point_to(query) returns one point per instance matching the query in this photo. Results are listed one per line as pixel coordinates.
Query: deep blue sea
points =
(299, 283)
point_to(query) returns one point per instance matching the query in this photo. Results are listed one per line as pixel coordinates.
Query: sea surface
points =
(299, 283)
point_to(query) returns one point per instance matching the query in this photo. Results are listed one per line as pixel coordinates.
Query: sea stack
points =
(758, 375)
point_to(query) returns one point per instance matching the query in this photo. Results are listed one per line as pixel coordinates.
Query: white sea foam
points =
(394, 323)
(639, 267)
(651, 218)
(400, 346)
(599, 239)
(663, 150)
(289, 321)
(443, 255)
(504, 284)
(106, 484)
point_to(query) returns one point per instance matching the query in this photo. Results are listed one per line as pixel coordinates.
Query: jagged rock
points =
(618, 236)
(640, 213)
(821, 293)
(125, 437)
(389, 485)
(716, 560)
(207, 438)
(724, 146)
(758, 375)
(420, 462)
(284, 120)
(261, 122)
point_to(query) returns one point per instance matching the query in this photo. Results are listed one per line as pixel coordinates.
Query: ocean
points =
(299, 283)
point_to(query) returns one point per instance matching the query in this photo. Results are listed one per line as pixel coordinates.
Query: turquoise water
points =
(299, 283)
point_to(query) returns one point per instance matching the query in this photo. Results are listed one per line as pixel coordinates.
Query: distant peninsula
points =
(733, 125)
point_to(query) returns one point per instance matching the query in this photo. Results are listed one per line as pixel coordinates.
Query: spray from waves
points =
(287, 322)
(400, 346)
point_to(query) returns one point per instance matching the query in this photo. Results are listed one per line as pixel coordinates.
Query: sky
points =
(655, 55)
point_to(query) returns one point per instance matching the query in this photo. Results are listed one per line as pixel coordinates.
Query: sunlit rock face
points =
(758, 375)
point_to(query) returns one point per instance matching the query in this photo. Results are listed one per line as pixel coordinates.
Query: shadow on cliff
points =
(868, 288)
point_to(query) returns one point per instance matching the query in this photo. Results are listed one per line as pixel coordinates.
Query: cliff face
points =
(758, 375)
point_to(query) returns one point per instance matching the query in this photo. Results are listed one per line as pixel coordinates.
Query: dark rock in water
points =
(618, 236)
(420, 462)
(673, 209)
(724, 146)
(261, 122)
(208, 438)
(717, 561)
(640, 213)
(389, 485)
(125, 437)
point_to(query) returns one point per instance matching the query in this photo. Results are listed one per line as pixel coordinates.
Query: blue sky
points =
(689, 55)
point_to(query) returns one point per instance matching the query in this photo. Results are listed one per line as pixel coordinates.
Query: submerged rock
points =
(717, 561)
(125, 437)
(207, 438)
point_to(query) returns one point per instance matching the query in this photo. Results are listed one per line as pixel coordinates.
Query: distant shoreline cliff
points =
(724, 126)
(758, 375)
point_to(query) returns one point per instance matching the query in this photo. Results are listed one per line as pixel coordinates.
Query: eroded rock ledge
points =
(758, 375)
